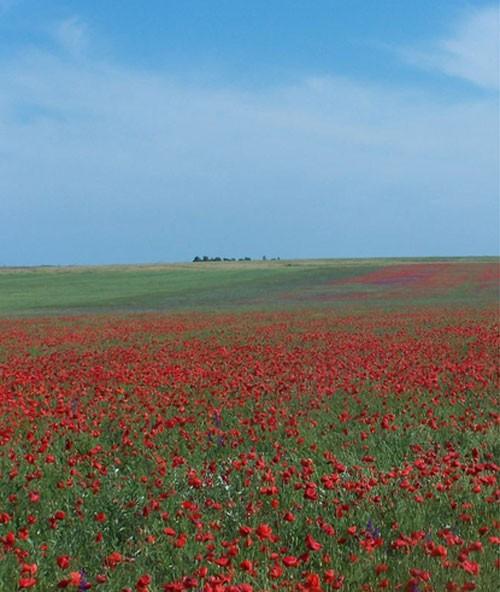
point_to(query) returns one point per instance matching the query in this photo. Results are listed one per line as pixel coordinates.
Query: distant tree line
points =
(206, 259)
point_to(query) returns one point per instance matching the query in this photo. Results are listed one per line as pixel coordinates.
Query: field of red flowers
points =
(302, 450)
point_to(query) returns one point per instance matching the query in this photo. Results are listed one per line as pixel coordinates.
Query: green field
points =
(208, 286)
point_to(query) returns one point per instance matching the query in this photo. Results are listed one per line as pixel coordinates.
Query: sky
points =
(134, 132)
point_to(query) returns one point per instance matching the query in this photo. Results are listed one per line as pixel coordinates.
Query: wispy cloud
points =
(72, 35)
(471, 51)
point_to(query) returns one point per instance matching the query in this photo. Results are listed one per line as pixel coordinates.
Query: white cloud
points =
(471, 52)
(72, 35)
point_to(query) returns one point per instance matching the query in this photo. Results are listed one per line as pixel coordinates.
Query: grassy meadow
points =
(209, 286)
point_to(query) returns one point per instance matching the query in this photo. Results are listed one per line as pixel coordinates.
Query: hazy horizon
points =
(436, 258)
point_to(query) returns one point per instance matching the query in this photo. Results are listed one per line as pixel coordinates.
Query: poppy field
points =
(344, 438)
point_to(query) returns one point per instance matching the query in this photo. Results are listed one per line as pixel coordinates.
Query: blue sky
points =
(160, 130)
